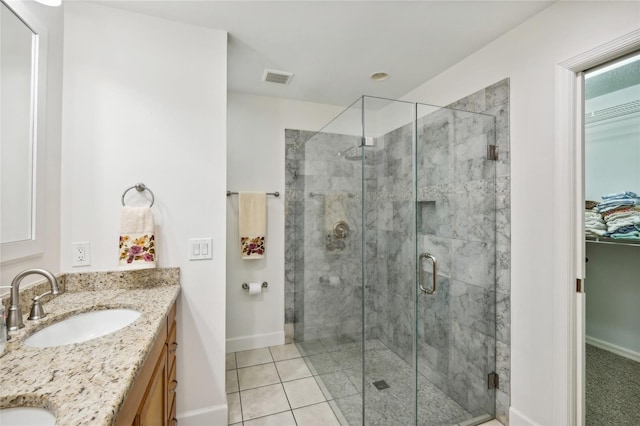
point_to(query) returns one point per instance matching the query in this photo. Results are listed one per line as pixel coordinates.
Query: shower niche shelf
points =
(426, 213)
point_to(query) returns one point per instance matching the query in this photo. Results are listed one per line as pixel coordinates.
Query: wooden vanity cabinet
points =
(154, 405)
(152, 399)
(172, 383)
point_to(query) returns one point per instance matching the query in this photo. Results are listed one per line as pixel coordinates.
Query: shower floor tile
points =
(314, 388)
(338, 371)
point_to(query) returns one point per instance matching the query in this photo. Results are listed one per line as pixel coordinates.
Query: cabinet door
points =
(154, 406)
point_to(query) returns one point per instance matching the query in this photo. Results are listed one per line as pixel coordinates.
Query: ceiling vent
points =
(279, 77)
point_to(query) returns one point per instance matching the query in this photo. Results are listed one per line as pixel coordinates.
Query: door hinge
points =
(367, 141)
(492, 152)
(493, 381)
(578, 285)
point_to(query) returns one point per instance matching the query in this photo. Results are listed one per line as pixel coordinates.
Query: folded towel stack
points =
(588, 204)
(617, 200)
(628, 232)
(621, 214)
(594, 225)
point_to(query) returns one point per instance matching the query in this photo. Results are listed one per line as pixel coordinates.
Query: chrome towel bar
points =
(275, 194)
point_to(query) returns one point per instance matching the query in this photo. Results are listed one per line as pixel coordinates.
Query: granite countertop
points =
(86, 383)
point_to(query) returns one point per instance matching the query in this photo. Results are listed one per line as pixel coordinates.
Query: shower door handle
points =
(435, 273)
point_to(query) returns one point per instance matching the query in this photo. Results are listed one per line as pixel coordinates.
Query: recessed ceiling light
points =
(379, 76)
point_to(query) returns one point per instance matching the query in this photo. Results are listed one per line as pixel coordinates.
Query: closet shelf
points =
(614, 241)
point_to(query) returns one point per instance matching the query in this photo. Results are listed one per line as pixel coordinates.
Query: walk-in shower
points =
(396, 318)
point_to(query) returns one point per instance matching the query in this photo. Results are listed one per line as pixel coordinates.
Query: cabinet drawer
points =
(172, 346)
(172, 420)
(136, 394)
(172, 383)
(154, 404)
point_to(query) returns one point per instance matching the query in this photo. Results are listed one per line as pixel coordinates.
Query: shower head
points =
(350, 154)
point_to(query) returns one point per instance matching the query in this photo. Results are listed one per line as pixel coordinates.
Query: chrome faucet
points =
(14, 317)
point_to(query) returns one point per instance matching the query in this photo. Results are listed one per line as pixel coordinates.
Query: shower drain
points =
(380, 384)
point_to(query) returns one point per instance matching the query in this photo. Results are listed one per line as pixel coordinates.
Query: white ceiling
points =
(332, 47)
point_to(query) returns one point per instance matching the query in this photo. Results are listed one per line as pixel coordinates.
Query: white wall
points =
(528, 55)
(145, 101)
(613, 297)
(255, 158)
(612, 151)
(52, 19)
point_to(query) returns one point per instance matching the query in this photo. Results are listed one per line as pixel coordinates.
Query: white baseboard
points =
(516, 418)
(210, 416)
(618, 350)
(255, 341)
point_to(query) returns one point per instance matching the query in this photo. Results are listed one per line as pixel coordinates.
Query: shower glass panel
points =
(456, 224)
(389, 263)
(383, 197)
(327, 246)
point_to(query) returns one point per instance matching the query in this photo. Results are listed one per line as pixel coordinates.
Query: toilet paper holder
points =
(246, 286)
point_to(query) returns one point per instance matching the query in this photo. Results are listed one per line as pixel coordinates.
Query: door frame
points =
(568, 304)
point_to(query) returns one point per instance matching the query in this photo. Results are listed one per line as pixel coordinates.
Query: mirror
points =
(22, 91)
(16, 134)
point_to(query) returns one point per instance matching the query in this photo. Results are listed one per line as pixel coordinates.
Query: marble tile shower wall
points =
(294, 228)
(494, 100)
(390, 264)
(323, 273)
(456, 223)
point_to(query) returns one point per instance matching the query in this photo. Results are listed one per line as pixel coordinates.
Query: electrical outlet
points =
(80, 254)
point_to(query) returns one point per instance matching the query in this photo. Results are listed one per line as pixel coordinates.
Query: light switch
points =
(200, 248)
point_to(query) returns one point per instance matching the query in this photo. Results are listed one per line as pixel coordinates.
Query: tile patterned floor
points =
(274, 386)
(319, 383)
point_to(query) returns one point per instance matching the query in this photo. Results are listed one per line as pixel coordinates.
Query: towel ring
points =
(139, 187)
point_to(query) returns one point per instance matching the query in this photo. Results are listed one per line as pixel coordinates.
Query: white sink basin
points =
(82, 327)
(26, 416)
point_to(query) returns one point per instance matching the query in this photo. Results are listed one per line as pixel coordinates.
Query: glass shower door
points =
(456, 261)
(392, 274)
(325, 204)
(389, 243)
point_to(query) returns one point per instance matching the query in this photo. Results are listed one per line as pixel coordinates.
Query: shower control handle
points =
(435, 273)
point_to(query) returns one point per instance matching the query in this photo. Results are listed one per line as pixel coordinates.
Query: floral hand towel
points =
(137, 239)
(252, 223)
